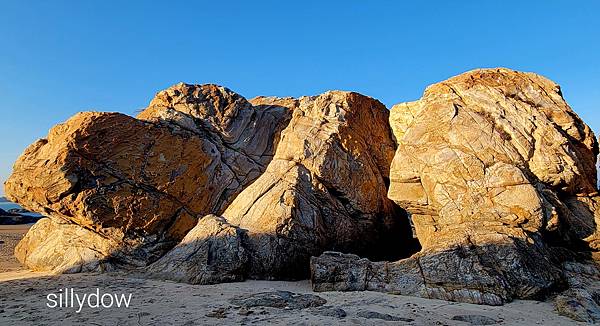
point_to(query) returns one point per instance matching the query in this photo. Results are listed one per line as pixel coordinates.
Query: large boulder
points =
(493, 151)
(140, 184)
(325, 189)
(496, 171)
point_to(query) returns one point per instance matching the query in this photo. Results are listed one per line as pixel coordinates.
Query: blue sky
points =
(58, 58)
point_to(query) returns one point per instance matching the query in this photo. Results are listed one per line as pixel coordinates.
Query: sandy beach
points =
(23, 301)
(10, 235)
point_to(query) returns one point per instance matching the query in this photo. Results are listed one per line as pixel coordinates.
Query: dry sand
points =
(23, 302)
(10, 235)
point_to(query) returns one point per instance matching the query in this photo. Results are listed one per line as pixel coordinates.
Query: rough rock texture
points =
(581, 302)
(52, 244)
(493, 152)
(279, 299)
(476, 319)
(211, 252)
(290, 178)
(495, 169)
(111, 176)
(378, 315)
(242, 137)
(579, 305)
(324, 189)
(457, 274)
(142, 183)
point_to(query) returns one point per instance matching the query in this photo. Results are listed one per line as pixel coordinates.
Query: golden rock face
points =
(498, 175)
(492, 151)
(141, 183)
(100, 171)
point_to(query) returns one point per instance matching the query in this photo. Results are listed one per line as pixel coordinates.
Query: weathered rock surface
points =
(279, 299)
(108, 174)
(290, 177)
(458, 274)
(62, 247)
(476, 319)
(581, 302)
(211, 252)
(493, 152)
(378, 315)
(324, 189)
(143, 183)
(242, 137)
(496, 170)
(328, 311)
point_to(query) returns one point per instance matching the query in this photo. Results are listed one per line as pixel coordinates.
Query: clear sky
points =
(58, 58)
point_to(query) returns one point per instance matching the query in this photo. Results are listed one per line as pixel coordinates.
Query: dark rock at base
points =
(219, 313)
(579, 305)
(278, 299)
(328, 311)
(582, 301)
(245, 311)
(377, 315)
(476, 319)
(491, 275)
(495, 204)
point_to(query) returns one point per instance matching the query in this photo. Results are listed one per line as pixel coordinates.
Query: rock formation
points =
(137, 186)
(496, 171)
(324, 189)
(290, 178)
